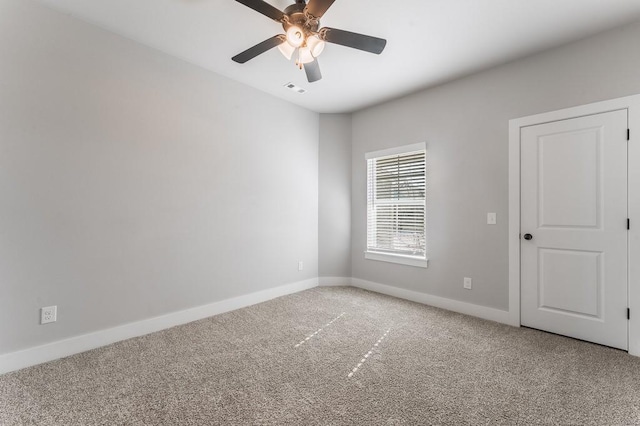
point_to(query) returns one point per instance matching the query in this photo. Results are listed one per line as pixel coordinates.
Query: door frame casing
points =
(632, 105)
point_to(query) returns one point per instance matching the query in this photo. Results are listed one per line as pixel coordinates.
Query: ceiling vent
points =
(295, 88)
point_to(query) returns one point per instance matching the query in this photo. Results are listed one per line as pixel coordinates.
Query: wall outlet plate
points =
(300, 266)
(48, 314)
(468, 283)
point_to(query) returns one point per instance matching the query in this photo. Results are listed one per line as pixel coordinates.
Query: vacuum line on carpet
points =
(306, 339)
(368, 354)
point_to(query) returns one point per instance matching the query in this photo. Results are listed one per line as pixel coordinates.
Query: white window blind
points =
(396, 198)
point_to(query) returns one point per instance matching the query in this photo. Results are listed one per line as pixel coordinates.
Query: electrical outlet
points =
(300, 266)
(468, 283)
(48, 314)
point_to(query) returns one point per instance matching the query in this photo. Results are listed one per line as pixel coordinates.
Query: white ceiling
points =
(429, 41)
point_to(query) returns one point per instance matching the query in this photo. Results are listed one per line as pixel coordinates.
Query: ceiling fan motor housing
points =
(295, 16)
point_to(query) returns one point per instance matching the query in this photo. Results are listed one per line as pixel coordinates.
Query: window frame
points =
(403, 259)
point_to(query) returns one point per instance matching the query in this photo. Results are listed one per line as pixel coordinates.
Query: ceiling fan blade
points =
(259, 49)
(317, 8)
(313, 71)
(354, 40)
(265, 8)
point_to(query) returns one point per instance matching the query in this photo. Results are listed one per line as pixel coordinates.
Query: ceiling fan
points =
(303, 35)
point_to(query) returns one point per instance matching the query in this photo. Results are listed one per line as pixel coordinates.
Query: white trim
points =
(334, 281)
(397, 258)
(634, 232)
(632, 104)
(514, 223)
(479, 311)
(63, 348)
(404, 149)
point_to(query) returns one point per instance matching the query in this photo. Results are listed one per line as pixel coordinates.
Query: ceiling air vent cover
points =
(295, 88)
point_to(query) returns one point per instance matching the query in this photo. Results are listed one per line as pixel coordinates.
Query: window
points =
(396, 205)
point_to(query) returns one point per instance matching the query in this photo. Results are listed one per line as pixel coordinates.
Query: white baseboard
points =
(71, 346)
(63, 348)
(334, 281)
(479, 311)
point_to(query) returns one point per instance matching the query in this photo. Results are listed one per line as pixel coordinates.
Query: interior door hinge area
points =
(628, 313)
(628, 134)
(628, 224)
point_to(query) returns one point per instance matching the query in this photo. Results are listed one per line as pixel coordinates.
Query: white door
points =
(574, 228)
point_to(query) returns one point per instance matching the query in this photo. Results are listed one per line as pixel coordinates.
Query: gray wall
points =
(334, 225)
(133, 184)
(465, 126)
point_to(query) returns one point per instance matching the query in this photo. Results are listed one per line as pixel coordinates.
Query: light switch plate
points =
(468, 283)
(492, 218)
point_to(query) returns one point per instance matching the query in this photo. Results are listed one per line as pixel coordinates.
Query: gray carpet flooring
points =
(332, 356)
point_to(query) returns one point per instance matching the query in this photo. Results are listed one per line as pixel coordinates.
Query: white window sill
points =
(396, 258)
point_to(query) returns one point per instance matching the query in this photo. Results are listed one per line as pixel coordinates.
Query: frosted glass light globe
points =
(305, 55)
(287, 50)
(316, 45)
(295, 36)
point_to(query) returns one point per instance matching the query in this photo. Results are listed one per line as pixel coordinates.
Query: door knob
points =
(528, 237)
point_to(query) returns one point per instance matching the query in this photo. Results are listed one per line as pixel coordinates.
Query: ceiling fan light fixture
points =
(287, 50)
(316, 45)
(295, 36)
